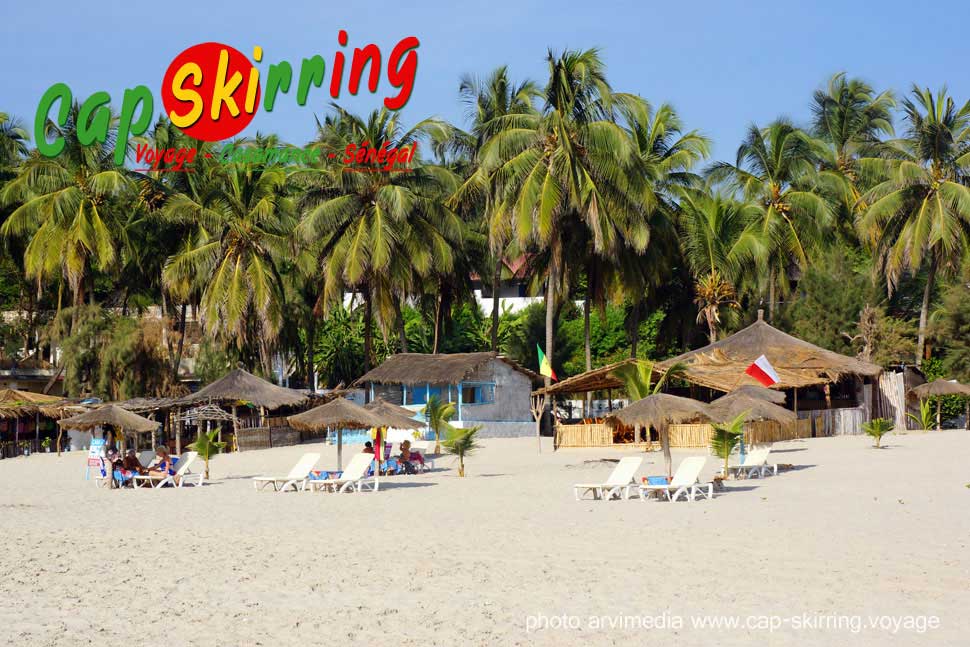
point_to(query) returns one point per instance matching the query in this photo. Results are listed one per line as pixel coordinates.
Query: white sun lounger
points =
(685, 481)
(354, 478)
(146, 457)
(297, 477)
(755, 464)
(753, 461)
(181, 477)
(619, 482)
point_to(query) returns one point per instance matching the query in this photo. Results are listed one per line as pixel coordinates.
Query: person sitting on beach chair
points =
(407, 458)
(164, 465)
(131, 463)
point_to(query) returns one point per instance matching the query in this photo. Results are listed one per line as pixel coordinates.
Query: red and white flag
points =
(763, 371)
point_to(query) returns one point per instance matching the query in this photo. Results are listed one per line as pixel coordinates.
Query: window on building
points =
(478, 393)
(419, 394)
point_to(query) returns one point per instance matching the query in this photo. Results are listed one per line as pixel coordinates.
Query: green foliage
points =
(212, 362)
(726, 437)
(952, 331)
(926, 418)
(461, 443)
(877, 428)
(206, 446)
(112, 356)
(438, 413)
(952, 406)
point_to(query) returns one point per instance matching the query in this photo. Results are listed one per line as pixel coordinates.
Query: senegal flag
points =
(545, 366)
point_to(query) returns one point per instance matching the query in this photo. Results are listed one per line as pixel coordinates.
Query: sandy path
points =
(853, 531)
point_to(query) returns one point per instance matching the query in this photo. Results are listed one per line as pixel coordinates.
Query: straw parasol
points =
(112, 415)
(659, 411)
(392, 411)
(730, 406)
(343, 414)
(938, 388)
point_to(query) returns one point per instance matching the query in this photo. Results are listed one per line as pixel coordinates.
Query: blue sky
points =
(722, 65)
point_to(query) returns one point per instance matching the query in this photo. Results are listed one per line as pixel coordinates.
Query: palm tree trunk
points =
(496, 284)
(368, 328)
(401, 332)
(311, 333)
(635, 330)
(771, 296)
(550, 320)
(924, 313)
(586, 345)
(177, 360)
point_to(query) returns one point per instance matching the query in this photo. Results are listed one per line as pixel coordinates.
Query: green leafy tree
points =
(918, 214)
(438, 414)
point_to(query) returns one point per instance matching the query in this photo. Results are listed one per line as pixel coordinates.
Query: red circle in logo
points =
(207, 77)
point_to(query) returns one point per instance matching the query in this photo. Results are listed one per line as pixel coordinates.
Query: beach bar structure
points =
(831, 394)
(487, 388)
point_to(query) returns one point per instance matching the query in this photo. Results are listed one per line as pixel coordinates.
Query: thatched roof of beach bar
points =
(16, 404)
(721, 365)
(597, 379)
(241, 385)
(752, 391)
(410, 369)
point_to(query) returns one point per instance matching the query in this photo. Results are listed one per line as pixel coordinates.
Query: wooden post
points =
(796, 400)
(609, 396)
(664, 433)
(340, 449)
(538, 407)
(178, 434)
(939, 406)
(235, 428)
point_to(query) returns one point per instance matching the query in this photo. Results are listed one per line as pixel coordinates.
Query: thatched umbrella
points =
(730, 406)
(659, 411)
(112, 415)
(394, 412)
(343, 414)
(938, 388)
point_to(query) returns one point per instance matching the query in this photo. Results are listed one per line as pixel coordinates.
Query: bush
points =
(878, 428)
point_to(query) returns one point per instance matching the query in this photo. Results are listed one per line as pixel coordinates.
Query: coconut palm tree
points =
(487, 100)
(568, 169)
(721, 243)
(918, 214)
(69, 208)
(849, 120)
(775, 169)
(13, 143)
(241, 221)
(438, 414)
(374, 232)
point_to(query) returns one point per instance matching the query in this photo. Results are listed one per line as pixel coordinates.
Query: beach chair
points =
(424, 447)
(146, 457)
(753, 464)
(619, 482)
(354, 477)
(685, 481)
(182, 476)
(297, 477)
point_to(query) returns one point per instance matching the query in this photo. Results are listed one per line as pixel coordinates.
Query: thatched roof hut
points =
(17, 404)
(752, 391)
(597, 379)
(410, 369)
(241, 385)
(721, 365)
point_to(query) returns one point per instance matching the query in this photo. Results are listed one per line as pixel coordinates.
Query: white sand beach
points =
(499, 557)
